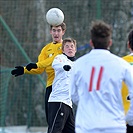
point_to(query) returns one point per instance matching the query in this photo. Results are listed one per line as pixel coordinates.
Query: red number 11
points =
(98, 80)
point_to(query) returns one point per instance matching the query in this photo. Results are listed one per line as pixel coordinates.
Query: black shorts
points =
(129, 129)
(60, 118)
(47, 93)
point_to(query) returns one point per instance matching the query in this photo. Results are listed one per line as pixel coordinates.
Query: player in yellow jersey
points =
(126, 99)
(45, 60)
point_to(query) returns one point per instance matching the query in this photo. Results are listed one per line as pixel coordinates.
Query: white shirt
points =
(61, 84)
(96, 87)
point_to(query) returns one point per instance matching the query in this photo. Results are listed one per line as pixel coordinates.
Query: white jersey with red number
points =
(61, 84)
(96, 87)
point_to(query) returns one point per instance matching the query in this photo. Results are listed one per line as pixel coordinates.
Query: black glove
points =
(129, 129)
(18, 71)
(31, 66)
(66, 67)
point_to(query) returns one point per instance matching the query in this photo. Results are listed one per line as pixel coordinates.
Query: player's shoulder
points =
(60, 58)
(119, 59)
(128, 58)
(47, 46)
(59, 55)
(82, 59)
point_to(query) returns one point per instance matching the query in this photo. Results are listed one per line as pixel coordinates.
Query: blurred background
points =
(24, 32)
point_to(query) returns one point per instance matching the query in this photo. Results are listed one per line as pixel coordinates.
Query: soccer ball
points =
(54, 16)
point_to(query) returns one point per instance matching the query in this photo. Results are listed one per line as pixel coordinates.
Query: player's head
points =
(130, 40)
(69, 47)
(57, 32)
(101, 33)
(63, 26)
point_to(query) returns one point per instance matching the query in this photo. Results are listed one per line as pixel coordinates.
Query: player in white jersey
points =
(96, 86)
(61, 118)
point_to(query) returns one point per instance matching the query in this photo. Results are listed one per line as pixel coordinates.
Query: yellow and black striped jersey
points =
(45, 60)
(126, 100)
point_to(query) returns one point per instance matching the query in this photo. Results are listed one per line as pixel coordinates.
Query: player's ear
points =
(63, 32)
(91, 43)
(110, 43)
(50, 31)
(128, 46)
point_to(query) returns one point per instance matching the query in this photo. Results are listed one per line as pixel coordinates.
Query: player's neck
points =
(54, 42)
(71, 58)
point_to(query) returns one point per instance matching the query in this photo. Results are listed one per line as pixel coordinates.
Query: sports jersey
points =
(96, 87)
(125, 95)
(61, 83)
(45, 60)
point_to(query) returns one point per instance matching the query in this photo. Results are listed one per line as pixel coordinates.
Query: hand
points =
(31, 66)
(129, 129)
(66, 67)
(18, 71)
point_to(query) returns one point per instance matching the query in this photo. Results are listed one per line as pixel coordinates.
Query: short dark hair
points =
(69, 40)
(63, 26)
(100, 34)
(130, 39)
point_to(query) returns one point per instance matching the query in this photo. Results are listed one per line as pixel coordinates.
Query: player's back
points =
(98, 78)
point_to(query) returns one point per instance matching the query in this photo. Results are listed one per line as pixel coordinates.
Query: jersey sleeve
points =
(46, 62)
(42, 57)
(73, 87)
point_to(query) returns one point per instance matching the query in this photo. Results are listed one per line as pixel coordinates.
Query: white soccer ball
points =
(55, 16)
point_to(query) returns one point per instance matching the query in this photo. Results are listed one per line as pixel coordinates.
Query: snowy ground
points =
(23, 129)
